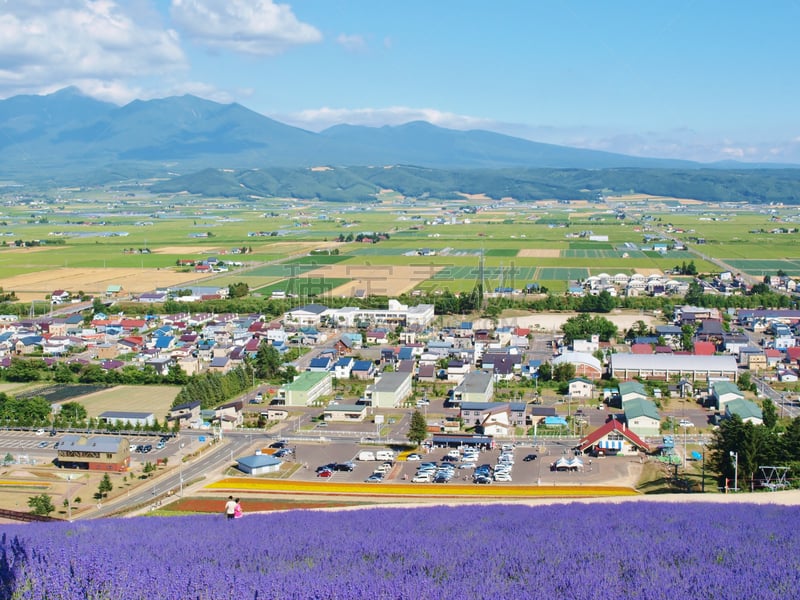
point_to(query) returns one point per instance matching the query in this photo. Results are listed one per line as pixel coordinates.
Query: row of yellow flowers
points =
(233, 484)
(15, 483)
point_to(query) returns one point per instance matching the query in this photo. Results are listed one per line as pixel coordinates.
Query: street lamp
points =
(69, 501)
(703, 480)
(735, 456)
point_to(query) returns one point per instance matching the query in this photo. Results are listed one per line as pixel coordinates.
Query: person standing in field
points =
(237, 510)
(230, 508)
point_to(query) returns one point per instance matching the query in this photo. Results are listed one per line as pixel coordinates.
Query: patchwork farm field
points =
(37, 284)
(431, 245)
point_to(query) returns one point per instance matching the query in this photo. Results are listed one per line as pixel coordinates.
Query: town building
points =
(96, 453)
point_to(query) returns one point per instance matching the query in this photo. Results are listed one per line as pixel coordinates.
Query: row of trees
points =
(769, 444)
(36, 369)
(212, 389)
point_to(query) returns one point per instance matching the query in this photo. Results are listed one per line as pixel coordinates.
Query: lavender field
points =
(578, 551)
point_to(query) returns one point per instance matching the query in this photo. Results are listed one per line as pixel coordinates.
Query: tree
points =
(41, 504)
(694, 294)
(563, 371)
(238, 290)
(769, 414)
(267, 361)
(73, 412)
(418, 429)
(105, 486)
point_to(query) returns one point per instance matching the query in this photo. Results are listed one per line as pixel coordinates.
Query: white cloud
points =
(352, 43)
(258, 27)
(321, 118)
(683, 144)
(99, 46)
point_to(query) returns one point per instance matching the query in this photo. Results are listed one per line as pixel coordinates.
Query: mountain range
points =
(67, 136)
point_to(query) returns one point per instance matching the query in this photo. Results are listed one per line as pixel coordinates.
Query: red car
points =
(325, 473)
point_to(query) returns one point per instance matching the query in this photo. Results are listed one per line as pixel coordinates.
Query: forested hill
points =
(362, 184)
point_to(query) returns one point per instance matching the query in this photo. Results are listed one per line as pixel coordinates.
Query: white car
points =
(470, 458)
(686, 423)
(421, 478)
(413, 457)
(502, 477)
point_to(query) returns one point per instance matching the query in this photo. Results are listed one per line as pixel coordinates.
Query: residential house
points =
(363, 369)
(343, 367)
(321, 364)
(580, 387)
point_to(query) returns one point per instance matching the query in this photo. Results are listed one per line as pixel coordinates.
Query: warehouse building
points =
(665, 366)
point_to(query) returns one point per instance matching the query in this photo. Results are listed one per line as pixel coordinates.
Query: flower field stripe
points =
(241, 484)
(503, 551)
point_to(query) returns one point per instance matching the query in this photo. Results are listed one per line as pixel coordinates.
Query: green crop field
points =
(304, 286)
(562, 274)
(761, 267)
(520, 242)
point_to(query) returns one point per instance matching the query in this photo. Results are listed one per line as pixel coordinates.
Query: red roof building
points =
(612, 438)
(705, 348)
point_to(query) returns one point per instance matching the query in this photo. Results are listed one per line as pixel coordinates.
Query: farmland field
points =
(432, 246)
(152, 398)
(94, 281)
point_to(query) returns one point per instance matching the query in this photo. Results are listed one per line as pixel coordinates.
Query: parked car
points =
(278, 444)
(345, 466)
(328, 467)
(481, 479)
(374, 478)
(161, 445)
(502, 477)
(529, 457)
(413, 457)
(421, 478)
(325, 473)
(441, 478)
(40, 432)
(43, 444)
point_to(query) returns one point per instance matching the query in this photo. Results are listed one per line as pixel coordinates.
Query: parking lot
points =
(29, 447)
(524, 469)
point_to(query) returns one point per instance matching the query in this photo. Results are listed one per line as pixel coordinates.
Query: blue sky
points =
(708, 80)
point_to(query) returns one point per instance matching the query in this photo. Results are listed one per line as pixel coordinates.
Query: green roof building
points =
(641, 416)
(307, 387)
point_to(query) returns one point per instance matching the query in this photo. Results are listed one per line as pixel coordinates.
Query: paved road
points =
(216, 459)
